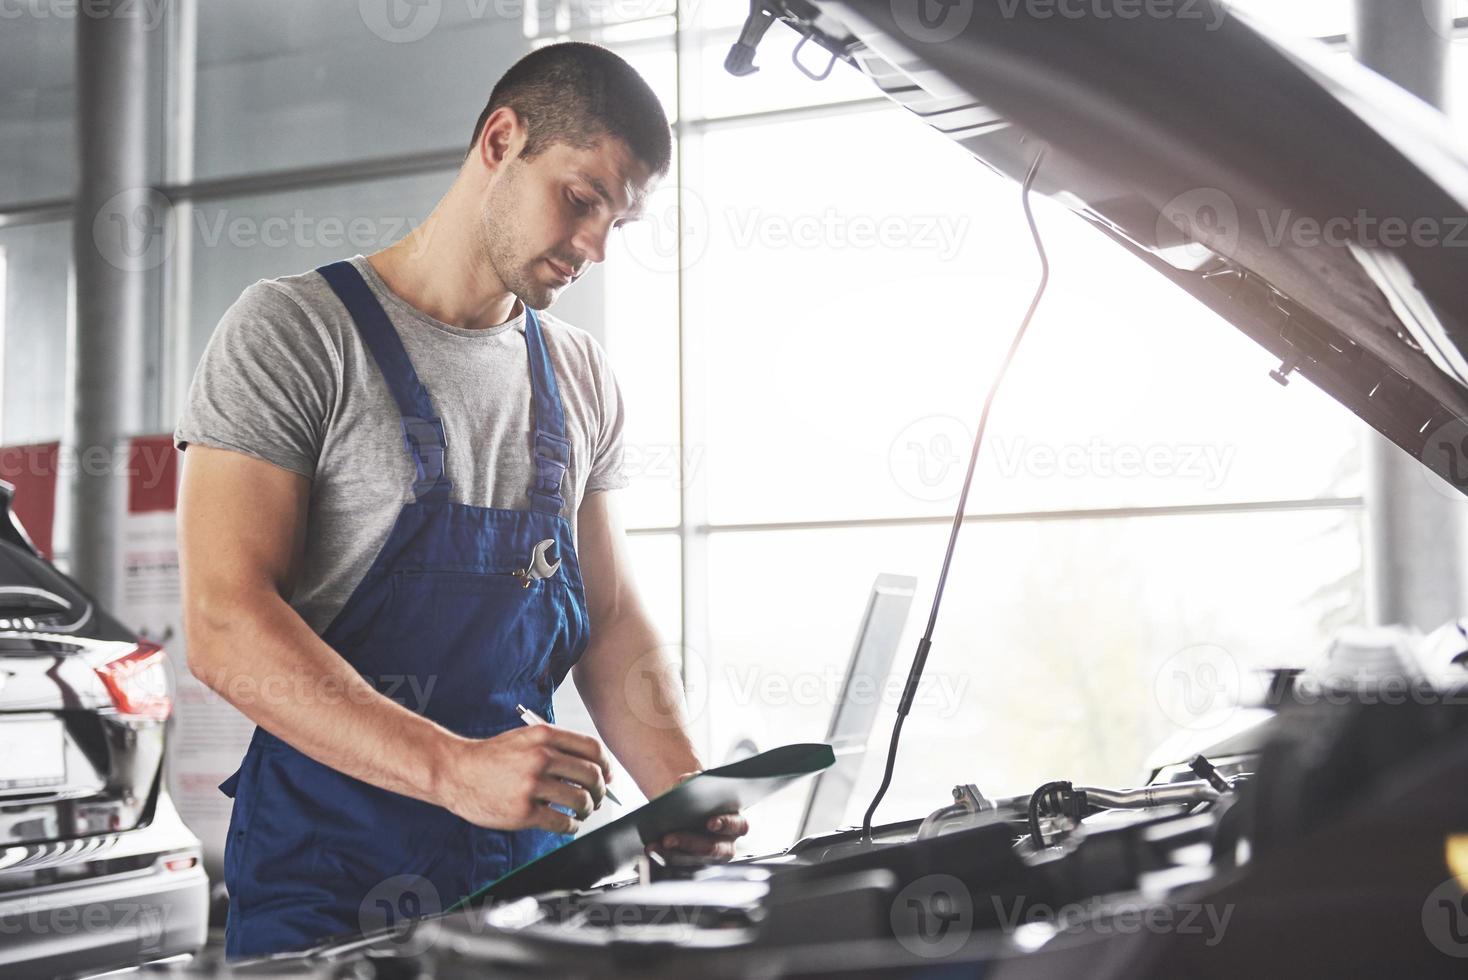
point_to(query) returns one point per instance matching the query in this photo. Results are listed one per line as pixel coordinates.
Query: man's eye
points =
(581, 203)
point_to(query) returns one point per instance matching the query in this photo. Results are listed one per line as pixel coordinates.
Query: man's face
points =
(546, 219)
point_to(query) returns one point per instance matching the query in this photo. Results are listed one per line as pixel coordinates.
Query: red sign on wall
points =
(32, 471)
(152, 467)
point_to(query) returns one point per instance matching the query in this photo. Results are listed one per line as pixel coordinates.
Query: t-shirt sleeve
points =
(608, 465)
(265, 385)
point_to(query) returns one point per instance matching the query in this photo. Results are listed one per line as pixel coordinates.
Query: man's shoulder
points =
(282, 317)
(296, 294)
(563, 330)
(570, 340)
(300, 304)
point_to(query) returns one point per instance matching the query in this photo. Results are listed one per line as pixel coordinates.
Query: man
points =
(396, 525)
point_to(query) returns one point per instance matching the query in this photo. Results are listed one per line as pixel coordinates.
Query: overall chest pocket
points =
(476, 628)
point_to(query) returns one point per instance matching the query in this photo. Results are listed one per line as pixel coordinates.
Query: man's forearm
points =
(632, 687)
(260, 656)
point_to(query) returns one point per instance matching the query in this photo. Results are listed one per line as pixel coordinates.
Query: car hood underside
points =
(1315, 206)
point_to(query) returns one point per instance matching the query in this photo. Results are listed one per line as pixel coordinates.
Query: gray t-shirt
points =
(286, 378)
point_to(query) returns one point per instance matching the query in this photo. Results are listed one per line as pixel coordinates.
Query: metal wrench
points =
(539, 567)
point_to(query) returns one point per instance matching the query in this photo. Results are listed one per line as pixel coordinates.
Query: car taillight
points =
(138, 683)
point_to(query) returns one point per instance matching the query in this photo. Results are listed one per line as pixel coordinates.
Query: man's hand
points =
(714, 842)
(506, 782)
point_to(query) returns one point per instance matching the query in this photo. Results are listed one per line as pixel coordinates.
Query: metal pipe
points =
(1140, 798)
(1164, 794)
(1408, 43)
(1416, 546)
(119, 241)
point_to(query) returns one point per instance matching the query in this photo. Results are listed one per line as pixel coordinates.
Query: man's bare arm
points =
(242, 525)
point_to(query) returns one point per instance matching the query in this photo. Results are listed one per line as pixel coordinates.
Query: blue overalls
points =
(442, 611)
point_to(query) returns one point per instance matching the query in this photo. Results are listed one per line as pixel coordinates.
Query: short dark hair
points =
(577, 93)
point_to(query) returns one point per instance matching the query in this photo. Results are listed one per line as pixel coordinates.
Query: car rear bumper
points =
(92, 925)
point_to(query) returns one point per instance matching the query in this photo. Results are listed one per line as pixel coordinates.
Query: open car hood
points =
(1316, 206)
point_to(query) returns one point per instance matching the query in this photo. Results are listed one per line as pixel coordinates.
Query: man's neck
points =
(437, 269)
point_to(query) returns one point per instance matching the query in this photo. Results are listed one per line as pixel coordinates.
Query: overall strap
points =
(423, 433)
(551, 447)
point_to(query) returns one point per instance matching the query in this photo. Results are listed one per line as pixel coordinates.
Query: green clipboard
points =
(592, 856)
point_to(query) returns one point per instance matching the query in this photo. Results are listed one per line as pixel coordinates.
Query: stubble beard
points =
(498, 243)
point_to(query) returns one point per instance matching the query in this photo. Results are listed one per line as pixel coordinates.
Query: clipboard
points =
(589, 858)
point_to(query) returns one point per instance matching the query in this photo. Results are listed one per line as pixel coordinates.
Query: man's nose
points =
(592, 243)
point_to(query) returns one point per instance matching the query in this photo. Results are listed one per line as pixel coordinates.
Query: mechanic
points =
(398, 474)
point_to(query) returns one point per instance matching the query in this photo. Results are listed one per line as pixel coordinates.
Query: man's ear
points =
(502, 138)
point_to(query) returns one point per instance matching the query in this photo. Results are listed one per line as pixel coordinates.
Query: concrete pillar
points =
(118, 247)
(1416, 547)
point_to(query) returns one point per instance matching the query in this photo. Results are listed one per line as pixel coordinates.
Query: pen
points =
(531, 718)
